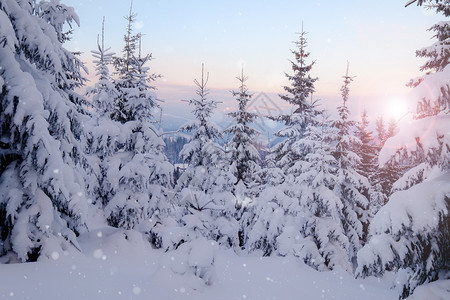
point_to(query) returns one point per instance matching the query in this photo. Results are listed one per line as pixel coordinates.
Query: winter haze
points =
(235, 150)
(378, 38)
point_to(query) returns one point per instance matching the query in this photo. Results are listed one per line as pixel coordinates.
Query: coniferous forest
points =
(332, 193)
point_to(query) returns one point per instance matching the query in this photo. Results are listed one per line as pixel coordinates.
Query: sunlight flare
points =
(396, 108)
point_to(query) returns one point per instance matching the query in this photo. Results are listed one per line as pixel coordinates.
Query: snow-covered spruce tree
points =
(262, 218)
(368, 151)
(297, 211)
(149, 143)
(286, 213)
(351, 187)
(104, 92)
(43, 203)
(410, 233)
(126, 81)
(265, 218)
(300, 214)
(245, 158)
(324, 230)
(298, 95)
(202, 153)
(138, 173)
(385, 176)
(103, 136)
(204, 190)
(380, 128)
(206, 206)
(392, 128)
(441, 6)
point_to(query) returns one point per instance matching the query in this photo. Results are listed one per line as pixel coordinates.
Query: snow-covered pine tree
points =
(258, 227)
(298, 95)
(351, 187)
(441, 6)
(245, 158)
(438, 56)
(141, 103)
(380, 128)
(410, 234)
(58, 15)
(43, 206)
(301, 215)
(149, 143)
(297, 211)
(124, 66)
(206, 206)
(385, 176)
(138, 174)
(103, 92)
(266, 216)
(204, 189)
(392, 128)
(104, 136)
(325, 240)
(366, 149)
(202, 152)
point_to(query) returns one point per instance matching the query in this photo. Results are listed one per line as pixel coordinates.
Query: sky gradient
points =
(378, 38)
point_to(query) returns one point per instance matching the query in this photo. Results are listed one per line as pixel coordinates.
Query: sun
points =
(396, 108)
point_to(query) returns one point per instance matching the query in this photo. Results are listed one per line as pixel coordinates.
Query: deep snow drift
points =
(118, 264)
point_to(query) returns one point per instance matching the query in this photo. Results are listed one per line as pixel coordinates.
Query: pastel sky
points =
(378, 38)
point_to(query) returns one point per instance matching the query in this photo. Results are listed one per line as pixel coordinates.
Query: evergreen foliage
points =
(43, 202)
(366, 150)
(351, 187)
(103, 138)
(63, 159)
(298, 95)
(402, 238)
(204, 190)
(244, 156)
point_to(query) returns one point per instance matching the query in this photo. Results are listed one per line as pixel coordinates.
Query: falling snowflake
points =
(136, 290)
(55, 255)
(98, 253)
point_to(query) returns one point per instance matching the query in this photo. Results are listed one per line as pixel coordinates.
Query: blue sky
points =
(378, 38)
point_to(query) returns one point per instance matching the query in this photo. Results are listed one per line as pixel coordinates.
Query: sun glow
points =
(396, 108)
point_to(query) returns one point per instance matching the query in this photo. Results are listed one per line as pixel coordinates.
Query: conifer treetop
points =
(302, 84)
(203, 108)
(104, 91)
(244, 156)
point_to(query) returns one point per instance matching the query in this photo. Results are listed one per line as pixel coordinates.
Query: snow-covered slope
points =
(118, 264)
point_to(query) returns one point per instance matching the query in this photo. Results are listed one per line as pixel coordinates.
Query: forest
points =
(331, 192)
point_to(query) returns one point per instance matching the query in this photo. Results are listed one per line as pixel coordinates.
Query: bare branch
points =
(410, 2)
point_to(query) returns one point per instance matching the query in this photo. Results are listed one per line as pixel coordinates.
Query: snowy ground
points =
(113, 267)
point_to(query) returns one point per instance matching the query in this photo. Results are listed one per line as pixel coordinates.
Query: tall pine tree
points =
(366, 150)
(385, 175)
(298, 95)
(138, 173)
(204, 190)
(125, 69)
(245, 157)
(44, 203)
(410, 233)
(351, 187)
(103, 136)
